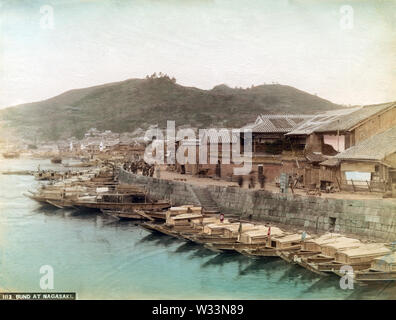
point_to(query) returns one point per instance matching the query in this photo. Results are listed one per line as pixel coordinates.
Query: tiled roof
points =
(271, 123)
(330, 162)
(374, 148)
(215, 135)
(315, 157)
(340, 120)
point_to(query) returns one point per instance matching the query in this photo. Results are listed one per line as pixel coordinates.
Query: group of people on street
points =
(140, 165)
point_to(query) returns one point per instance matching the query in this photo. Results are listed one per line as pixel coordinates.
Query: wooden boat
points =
(252, 237)
(234, 229)
(322, 249)
(174, 211)
(360, 258)
(81, 165)
(56, 160)
(215, 232)
(48, 175)
(18, 173)
(343, 251)
(184, 220)
(133, 215)
(293, 256)
(122, 206)
(381, 269)
(330, 249)
(325, 262)
(362, 254)
(216, 229)
(309, 248)
(205, 221)
(37, 198)
(59, 204)
(161, 228)
(10, 155)
(259, 235)
(314, 245)
(386, 263)
(206, 239)
(258, 252)
(276, 245)
(288, 241)
(53, 199)
(373, 275)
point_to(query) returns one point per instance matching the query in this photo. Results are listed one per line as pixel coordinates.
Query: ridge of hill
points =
(138, 103)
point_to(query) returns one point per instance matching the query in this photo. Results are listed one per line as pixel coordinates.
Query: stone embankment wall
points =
(177, 192)
(373, 219)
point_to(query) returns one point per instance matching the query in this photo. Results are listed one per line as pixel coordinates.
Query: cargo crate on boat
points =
(315, 245)
(234, 229)
(184, 219)
(215, 228)
(385, 263)
(341, 243)
(363, 253)
(288, 241)
(259, 235)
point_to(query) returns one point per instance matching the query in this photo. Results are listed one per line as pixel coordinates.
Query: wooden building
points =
(367, 166)
(274, 152)
(337, 130)
(218, 163)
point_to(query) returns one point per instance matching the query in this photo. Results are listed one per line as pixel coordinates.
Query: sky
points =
(343, 51)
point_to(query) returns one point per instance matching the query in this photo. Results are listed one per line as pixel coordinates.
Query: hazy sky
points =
(311, 45)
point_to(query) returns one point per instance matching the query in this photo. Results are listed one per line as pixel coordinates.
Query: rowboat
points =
(122, 206)
(133, 215)
(10, 155)
(381, 269)
(56, 160)
(275, 245)
(161, 228)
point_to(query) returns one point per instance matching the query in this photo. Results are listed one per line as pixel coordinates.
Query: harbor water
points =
(101, 258)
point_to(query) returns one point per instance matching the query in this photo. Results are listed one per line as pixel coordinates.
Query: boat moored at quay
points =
(98, 190)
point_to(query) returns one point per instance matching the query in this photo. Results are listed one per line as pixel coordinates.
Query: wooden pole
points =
(368, 185)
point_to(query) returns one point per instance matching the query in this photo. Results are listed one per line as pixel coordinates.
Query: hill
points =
(137, 103)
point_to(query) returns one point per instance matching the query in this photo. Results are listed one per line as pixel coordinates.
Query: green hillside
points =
(137, 103)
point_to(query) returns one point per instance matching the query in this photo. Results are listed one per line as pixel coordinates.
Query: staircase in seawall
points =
(206, 200)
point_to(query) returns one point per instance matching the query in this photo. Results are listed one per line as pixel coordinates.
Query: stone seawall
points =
(178, 193)
(372, 218)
